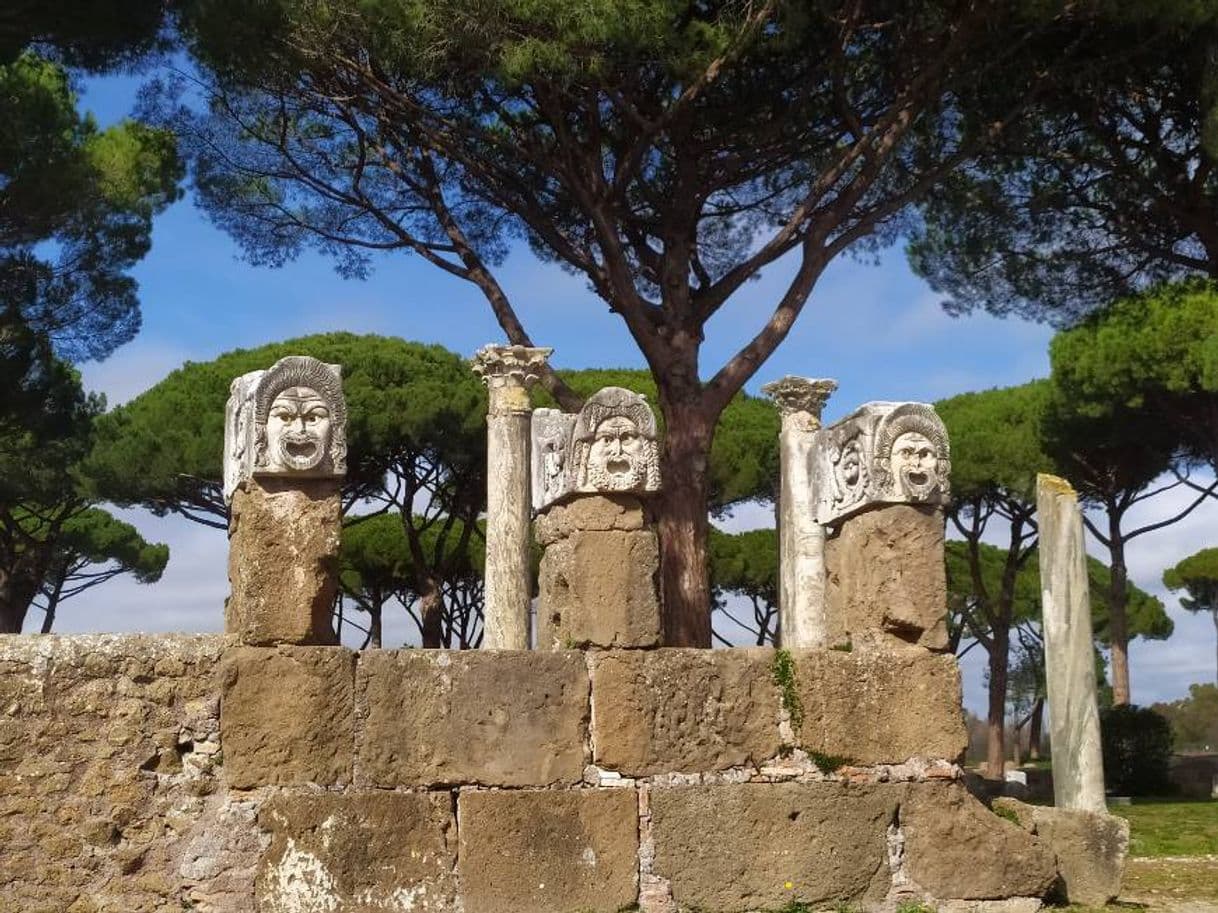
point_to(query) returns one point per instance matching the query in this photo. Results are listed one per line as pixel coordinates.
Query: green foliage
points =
(744, 456)
(1172, 829)
(1197, 575)
(1078, 204)
(828, 762)
(995, 440)
(1152, 355)
(96, 537)
(1194, 719)
(914, 906)
(783, 673)
(746, 565)
(1147, 615)
(76, 209)
(164, 448)
(378, 566)
(1003, 811)
(96, 35)
(1137, 745)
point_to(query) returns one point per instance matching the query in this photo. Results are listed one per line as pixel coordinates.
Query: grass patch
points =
(1003, 812)
(827, 762)
(1171, 828)
(1151, 880)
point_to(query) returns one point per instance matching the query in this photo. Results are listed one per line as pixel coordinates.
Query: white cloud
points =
(133, 369)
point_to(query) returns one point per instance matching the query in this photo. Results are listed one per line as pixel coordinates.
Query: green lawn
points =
(1165, 828)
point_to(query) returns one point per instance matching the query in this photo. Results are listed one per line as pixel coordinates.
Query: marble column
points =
(801, 539)
(1074, 725)
(508, 372)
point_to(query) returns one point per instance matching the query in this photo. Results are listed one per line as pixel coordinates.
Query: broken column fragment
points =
(285, 457)
(1074, 723)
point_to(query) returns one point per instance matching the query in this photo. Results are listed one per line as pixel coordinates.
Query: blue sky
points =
(877, 329)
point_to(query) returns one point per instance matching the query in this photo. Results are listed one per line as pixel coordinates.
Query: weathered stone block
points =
(526, 851)
(287, 716)
(283, 561)
(1090, 849)
(602, 513)
(84, 822)
(887, 581)
(358, 851)
(956, 848)
(668, 710)
(762, 846)
(880, 707)
(499, 718)
(598, 588)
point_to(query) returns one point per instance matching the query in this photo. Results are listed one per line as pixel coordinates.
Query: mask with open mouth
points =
(915, 464)
(614, 442)
(298, 429)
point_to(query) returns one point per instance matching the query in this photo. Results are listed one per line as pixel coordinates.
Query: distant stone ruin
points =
(271, 770)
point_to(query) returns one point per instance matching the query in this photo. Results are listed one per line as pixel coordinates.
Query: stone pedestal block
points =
(956, 848)
(287, 716)
(677, 710)
(358, 851)
(283, 561)
(1090, 848)
(527, 851)
(764, 846)
(598, 578)
(879, 707)
(498, 718)
(887, 581)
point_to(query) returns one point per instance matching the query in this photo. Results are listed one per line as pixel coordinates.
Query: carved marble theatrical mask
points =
(915, 465)
(617, 459)
(298, 430)
(850, 467)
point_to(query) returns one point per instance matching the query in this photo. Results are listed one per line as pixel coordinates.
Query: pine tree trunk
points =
(431, 611)
(1214, 614)
(16, 594)
(683, 528)
(995, 762)
(1035, 729)
(1118, 629)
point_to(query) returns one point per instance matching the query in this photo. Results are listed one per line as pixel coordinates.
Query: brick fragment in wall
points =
(676, 710)
(559, 851)
(880, 707)
(358, 850)
(886, 579)
(498, 718)
(763, 846)
(288, 716)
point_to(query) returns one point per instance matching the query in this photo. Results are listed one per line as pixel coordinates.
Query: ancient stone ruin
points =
(271, 770)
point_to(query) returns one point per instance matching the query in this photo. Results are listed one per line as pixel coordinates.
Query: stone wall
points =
(183, 773)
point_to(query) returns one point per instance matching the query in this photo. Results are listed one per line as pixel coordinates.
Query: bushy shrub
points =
(1137, 748)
